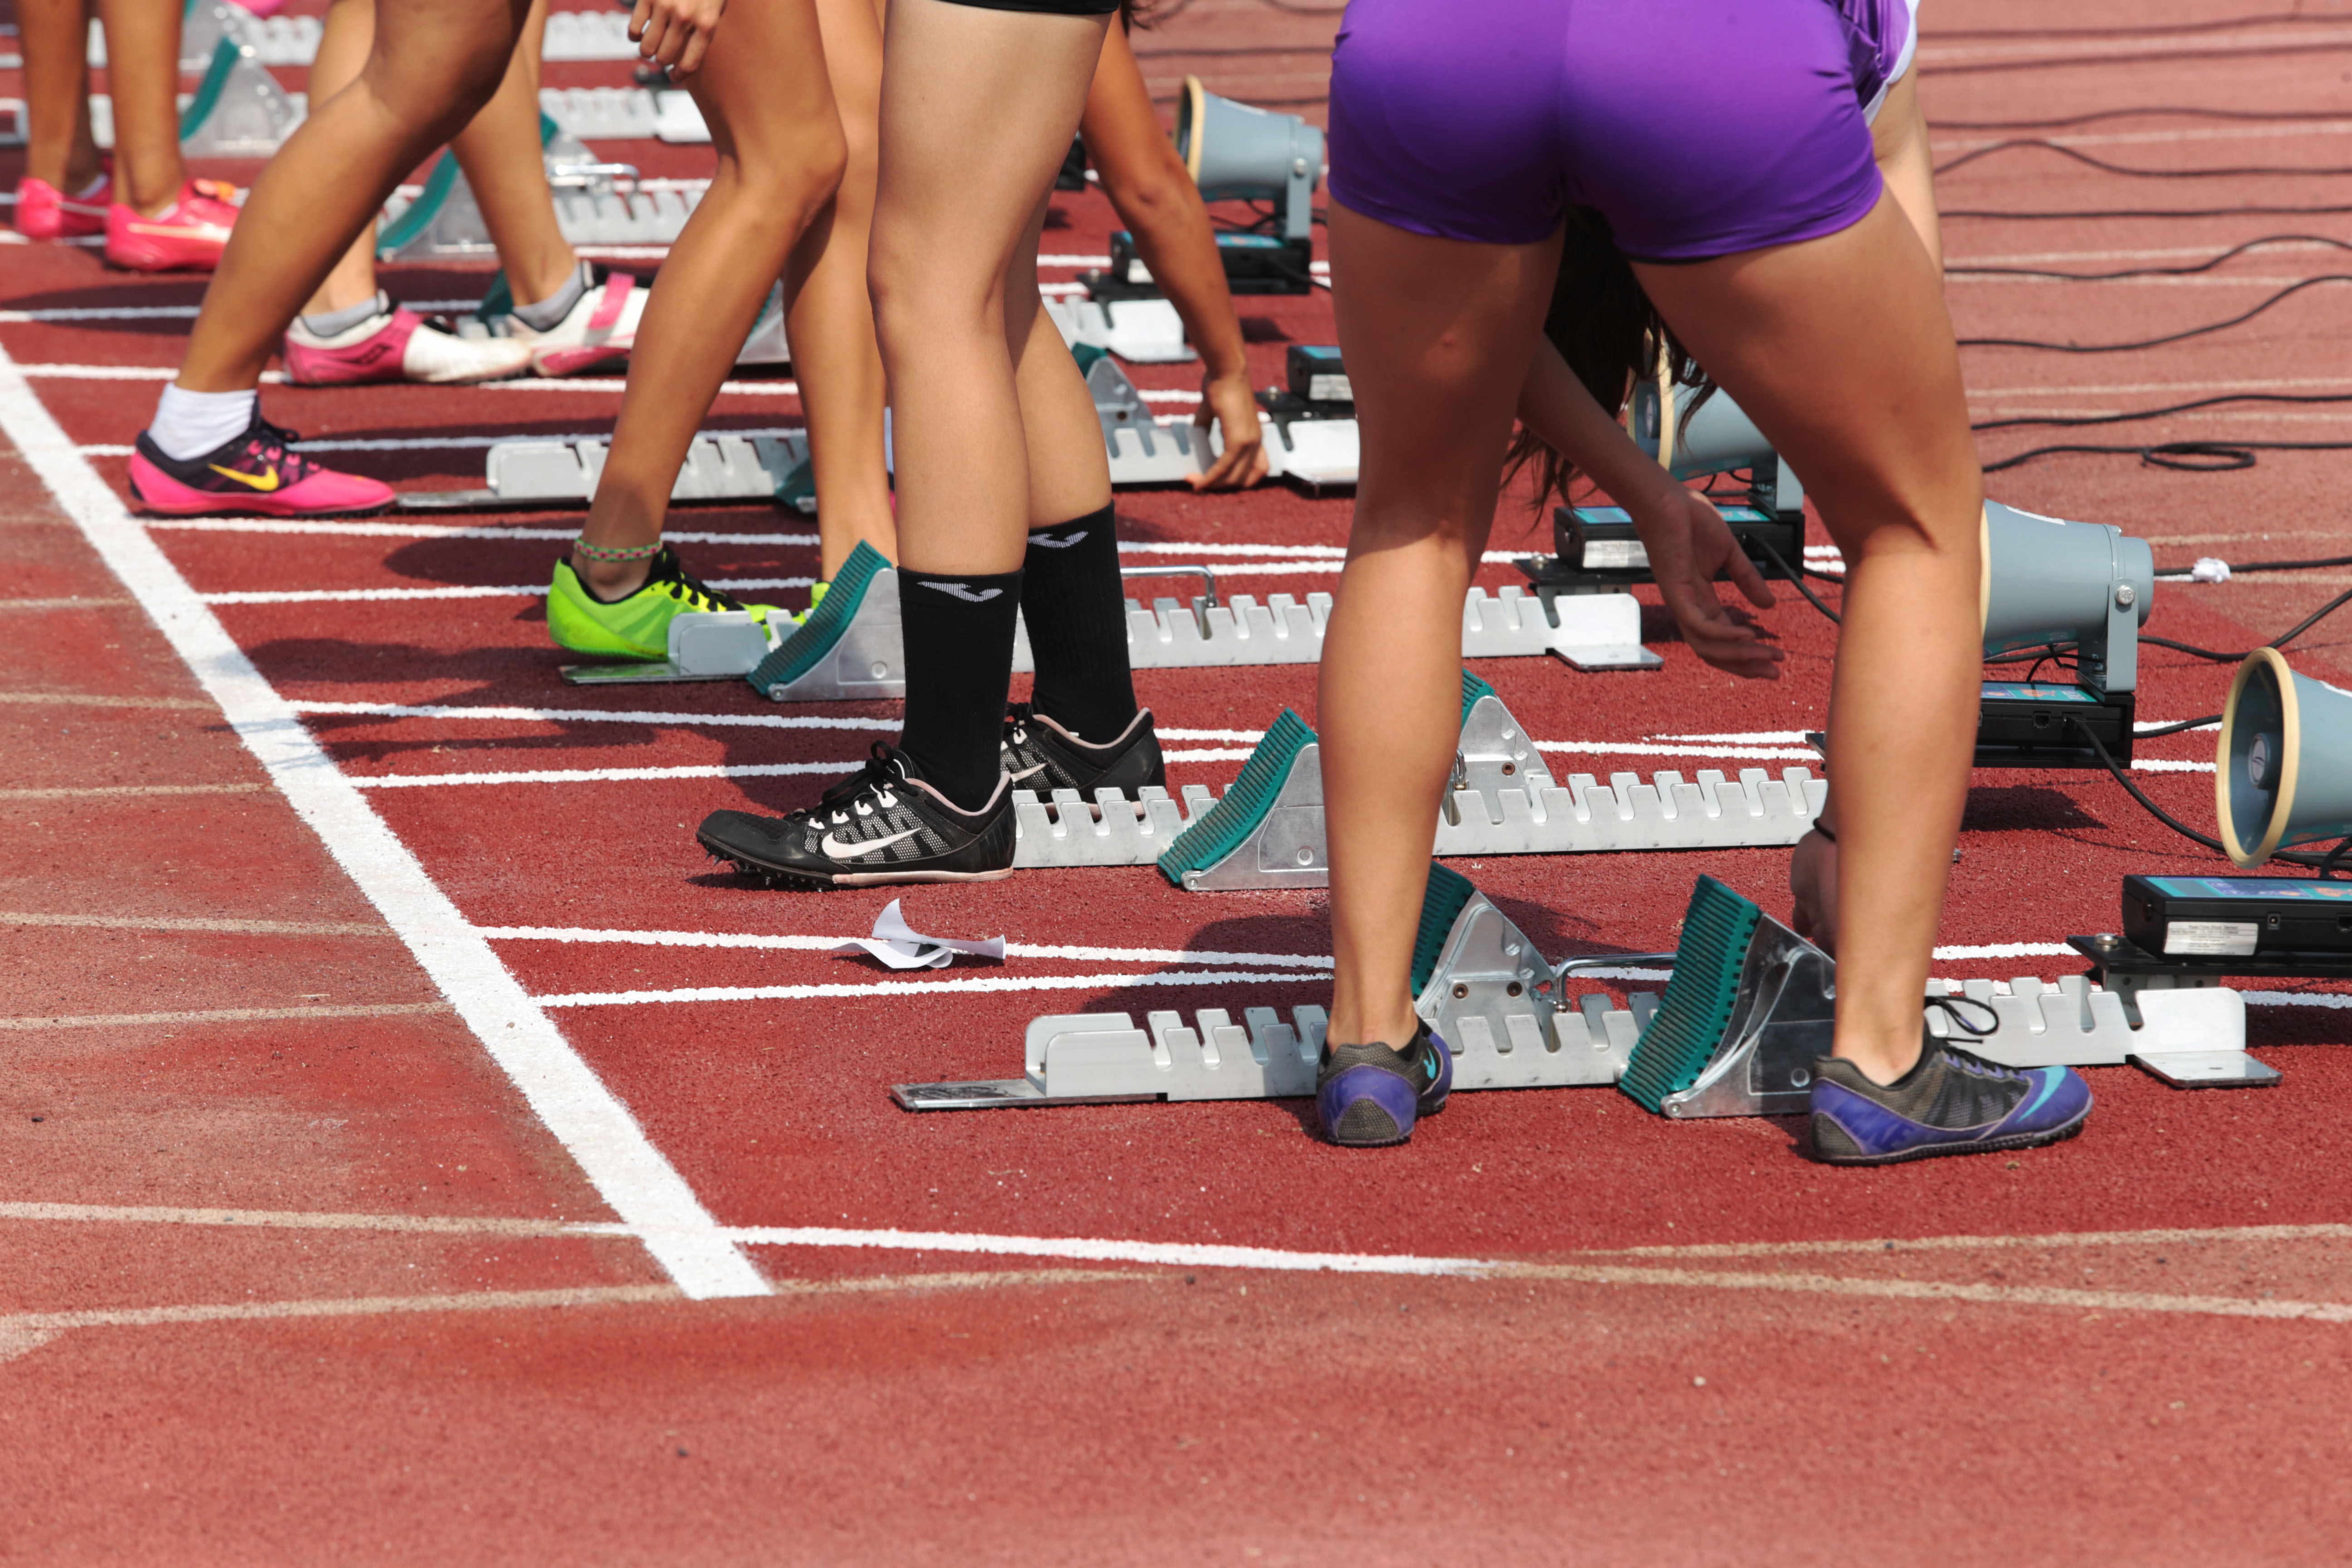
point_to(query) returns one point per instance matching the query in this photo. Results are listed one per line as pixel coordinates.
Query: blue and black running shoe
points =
(1370, 1096)
(1952, 1102)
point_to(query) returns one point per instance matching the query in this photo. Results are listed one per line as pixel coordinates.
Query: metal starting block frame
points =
(1503, 802)
(1511, 1022)
(1144, 450)
(1482, 1000)
(717, 468)
(1142, 331)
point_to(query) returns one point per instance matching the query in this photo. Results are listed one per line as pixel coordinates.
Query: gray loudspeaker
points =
(1719, 438)
(2048, 581)
(2283, 770)
(1236, 152)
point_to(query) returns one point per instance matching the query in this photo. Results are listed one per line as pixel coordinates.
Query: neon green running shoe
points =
(637, 625)
(816, 597)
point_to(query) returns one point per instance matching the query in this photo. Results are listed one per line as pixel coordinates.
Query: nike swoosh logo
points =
(840, 851)
(963, 592)
(265, 483)
(1052, 543)
(1025, 773)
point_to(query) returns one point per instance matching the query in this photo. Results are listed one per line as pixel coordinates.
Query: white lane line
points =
(603, 383)
(220, 1015)
(598, 775)
(2261, 384)
(982, 983)
(2004, 950)
(2169, 765)
(177, 312)
(828, 944)
(110, 792)
(587, 716)
(2059, 50)
(179, 922)
(2297, 998)
(449, 443)
(579, 1111)
(2233, 1234)
(1654, 749)
(2194, 280)
(444, 531)
(527, 591)
(1168, 1254)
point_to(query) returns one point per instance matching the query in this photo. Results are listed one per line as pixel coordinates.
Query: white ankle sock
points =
(190, 424)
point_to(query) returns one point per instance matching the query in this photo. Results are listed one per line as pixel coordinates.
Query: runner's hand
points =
(1688, 542)
(1226, 402)
(675, 33)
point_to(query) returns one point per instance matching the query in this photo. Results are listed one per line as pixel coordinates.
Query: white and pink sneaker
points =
(397, 344)
(599, 330)
(189, 235)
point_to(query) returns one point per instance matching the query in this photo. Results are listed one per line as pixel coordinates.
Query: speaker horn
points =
(2283, 768)
(2045, 580)
(1715, 438)
(1236, 152)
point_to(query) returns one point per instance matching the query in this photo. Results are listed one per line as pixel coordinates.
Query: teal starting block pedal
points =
(1268, 832)
(1746, 1015)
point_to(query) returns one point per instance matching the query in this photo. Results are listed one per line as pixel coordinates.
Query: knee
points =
(802, 168)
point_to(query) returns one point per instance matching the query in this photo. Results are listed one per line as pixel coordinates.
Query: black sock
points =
(959, 632)
(1075, 606)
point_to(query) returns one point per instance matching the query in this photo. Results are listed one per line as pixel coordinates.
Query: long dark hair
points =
(1605, 327)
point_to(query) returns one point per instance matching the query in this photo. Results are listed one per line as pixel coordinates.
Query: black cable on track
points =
(2044, 145)
(2289, 291)
(2293, 856)
(2230, 254)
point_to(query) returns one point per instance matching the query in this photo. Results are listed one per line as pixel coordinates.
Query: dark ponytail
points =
(1605, 327)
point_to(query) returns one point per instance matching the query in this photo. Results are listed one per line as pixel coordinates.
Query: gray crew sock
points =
(333, 323)
(550, 312)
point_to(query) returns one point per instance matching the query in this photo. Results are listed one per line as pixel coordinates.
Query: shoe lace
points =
(879, 775)
(275, 444)
(688, 589)
(1950, 1007)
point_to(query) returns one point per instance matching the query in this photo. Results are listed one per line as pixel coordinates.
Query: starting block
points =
(1501, 1010)
(1143, 332)
(1502, 801)
(238, 109)
(1146, 450)
(720, 467)
(443, 219)
(1512, 1020)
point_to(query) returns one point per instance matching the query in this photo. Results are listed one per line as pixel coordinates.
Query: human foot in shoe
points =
(635, 623)
(1369, 1097)
(1042, 756)
(189, 235)
(257, 470)
(45, 212)
(881, 825)
(393, 343)
(1950, 1102)
(597, 330)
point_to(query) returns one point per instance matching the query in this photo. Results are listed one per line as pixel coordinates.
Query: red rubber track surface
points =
(298, 1272)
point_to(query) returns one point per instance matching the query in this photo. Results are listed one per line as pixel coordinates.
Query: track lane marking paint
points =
(175, 923)
(585, 716)
(107, 792)
(576, 1108)
(980, 983)
(222, 1016)
(828, 944)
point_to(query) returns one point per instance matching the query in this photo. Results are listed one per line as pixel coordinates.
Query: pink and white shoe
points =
(257, 471)
(600, 329)
(397, 344)
(187, 235)
(45, 212)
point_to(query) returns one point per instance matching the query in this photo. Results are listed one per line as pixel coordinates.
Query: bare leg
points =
(432, 65)
(58, 149)
(1840, 349)
(499, 150)
(1898, 140)
(143, 73)
(1438, 336)
(1069, 474)
(978, 110)
(828, 315)
(763, 90)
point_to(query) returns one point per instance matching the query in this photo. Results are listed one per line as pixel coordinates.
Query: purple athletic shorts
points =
(1697, 128)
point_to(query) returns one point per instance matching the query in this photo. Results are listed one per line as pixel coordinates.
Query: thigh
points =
(1438, 334)
(763, 84)
(426, 47)
(979, 107)
(1841, 350)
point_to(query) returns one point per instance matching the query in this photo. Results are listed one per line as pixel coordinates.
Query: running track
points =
(396, 1168)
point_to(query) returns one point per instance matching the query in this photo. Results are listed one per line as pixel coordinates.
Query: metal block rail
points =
(1145, 449)
(1143, 332)
(601, 113)
(1504, 802)
(1063, 830)
(564, 474)
(588, 36)
(1509, 1019)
